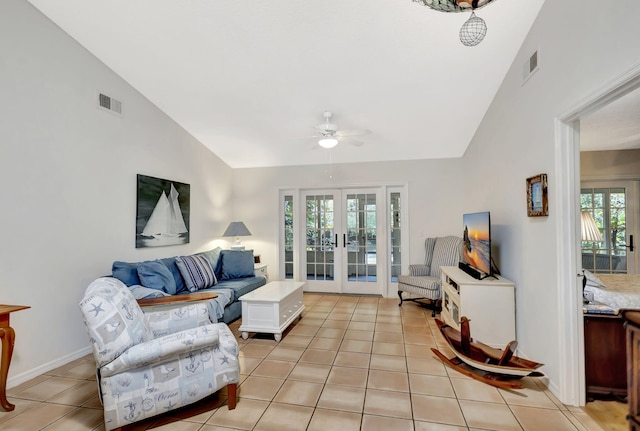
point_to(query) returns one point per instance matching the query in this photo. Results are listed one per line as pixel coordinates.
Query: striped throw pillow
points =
(196, 272)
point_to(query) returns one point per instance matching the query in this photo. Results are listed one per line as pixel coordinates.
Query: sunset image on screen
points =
(477, 245)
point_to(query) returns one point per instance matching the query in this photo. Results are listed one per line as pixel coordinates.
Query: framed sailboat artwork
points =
(162, 212)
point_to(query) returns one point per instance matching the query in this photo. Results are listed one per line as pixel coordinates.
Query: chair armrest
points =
(172, 299)
(163, 348)
(227, 340)
(419, 270)
(172, 320)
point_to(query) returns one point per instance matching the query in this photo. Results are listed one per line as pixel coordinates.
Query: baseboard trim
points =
(35, 372)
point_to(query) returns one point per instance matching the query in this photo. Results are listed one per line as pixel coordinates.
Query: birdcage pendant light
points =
(474, 29)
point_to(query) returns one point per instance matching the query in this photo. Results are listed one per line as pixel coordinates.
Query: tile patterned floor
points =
(351, 363)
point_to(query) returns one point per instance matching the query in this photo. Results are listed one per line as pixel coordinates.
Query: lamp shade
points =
(589, 230)
(328, 142)
(236, 228)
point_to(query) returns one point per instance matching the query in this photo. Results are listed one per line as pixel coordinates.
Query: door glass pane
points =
(395, 256)
(361, 237)
(288, 237)
(608, 207)
(320, 237)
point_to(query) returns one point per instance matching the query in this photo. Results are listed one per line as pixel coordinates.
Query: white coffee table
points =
(271, 308)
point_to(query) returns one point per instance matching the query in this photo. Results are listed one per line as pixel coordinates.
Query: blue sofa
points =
(230, 273)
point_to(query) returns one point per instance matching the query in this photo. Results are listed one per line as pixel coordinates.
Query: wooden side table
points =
(8, 336)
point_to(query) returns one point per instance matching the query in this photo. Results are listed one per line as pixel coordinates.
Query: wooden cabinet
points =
(632, 325)
(489, 304)
(605, 355)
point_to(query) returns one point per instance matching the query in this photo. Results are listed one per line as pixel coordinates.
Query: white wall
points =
(434, 207)
(610, 165)
(68, 175)
(582, 45)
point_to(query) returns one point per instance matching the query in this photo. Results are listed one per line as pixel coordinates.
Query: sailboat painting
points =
(162, 212)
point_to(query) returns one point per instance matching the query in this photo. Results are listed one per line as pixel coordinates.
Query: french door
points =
(343, 237)
(613, 205)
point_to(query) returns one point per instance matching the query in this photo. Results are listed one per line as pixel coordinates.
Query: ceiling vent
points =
(110, 104)
(530, 67)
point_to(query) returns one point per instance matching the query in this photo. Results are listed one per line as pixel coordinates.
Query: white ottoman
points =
(271, 308)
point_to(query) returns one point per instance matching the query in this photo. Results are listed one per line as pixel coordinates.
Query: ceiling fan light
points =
(328, 142)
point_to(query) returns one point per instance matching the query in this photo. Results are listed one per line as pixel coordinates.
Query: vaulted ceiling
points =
(251, 79)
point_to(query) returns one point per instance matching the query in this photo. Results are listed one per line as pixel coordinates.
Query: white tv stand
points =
(489, 304)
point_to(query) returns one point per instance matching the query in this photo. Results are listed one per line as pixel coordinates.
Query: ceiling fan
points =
(329, 135)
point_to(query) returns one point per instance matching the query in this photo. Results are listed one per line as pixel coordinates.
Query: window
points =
(609, 209)
(288, 237)
(320, 237)
(395, 235)
(361, 241)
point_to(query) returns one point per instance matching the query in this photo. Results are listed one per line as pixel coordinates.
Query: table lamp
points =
(588, 232)
(237, 229)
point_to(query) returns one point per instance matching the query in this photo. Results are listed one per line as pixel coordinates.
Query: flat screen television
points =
(476, 247)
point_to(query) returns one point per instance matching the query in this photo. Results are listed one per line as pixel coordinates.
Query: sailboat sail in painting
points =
(162, 211)
(166, 218)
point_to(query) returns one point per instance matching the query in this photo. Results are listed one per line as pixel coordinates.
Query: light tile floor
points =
(351, 363)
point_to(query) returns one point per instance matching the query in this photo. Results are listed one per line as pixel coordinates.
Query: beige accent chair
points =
(424, 280)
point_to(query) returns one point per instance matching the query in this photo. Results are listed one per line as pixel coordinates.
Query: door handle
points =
(335, 244)
(344, 240)
(630, 245)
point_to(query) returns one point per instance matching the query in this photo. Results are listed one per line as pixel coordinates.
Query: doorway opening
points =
(572, 362)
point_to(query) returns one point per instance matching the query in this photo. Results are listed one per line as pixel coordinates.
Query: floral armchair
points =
(149, 363)
(424, 280)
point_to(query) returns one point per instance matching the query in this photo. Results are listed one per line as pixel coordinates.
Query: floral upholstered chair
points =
(150, 363)
(424, 280)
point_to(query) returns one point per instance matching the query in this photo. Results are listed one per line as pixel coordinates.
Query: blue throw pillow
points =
(155, 275)
(170, 262)
(196, 272)
(125, 272)
(236, 264)
(213, 256)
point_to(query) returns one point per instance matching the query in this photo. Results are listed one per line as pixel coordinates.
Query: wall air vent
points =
(530, 67)
(109, 103)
